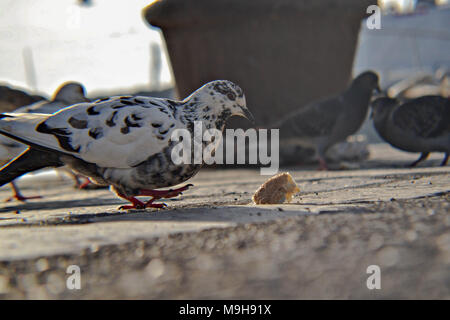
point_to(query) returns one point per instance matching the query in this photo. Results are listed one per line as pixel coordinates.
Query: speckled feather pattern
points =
(125, 141)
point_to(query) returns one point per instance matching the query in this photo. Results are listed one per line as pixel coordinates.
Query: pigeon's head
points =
(367, 81)
(222, 99)
(70, 93)
(382, 107)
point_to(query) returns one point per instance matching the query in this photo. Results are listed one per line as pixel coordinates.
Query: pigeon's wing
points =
(42, 107)
(9, 149)
(315, 120)
(425, 117)
(118, 132)
(11, 99)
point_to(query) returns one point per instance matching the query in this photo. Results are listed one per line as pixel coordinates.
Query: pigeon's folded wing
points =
(9, 149)
(426, 118)
(115, 133)
(42, 107)
(314, 120)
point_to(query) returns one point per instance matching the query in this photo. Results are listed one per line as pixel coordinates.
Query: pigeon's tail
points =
(29, 160)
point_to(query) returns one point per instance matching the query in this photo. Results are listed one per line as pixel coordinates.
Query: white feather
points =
(113, 149)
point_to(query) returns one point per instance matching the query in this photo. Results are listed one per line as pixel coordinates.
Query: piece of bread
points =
(276, 190)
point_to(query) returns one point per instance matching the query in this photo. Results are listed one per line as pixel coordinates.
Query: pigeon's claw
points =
(18, 196)
(150, 204)
(135, 203)
(322, 165)
(22, 198)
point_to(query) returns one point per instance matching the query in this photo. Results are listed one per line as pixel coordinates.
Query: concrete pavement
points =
(212, 242)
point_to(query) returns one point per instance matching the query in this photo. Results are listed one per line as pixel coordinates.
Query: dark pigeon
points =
(323, 123)
(65, 95)
(419, 125)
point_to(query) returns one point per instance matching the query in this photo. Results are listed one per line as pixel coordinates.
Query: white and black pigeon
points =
(123, 141)
(419, 125)
(323, 123)
(67, 94)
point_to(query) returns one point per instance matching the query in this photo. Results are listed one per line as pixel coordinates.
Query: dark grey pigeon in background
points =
(67, 94)
(323, 123)
(13, 98)
(419, 125)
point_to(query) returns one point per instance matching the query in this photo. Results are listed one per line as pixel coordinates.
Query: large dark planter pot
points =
(283, 53)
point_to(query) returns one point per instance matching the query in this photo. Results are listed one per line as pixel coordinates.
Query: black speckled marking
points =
(78, 124)
(91, 111)
(177, 171)
(127, 102)
(156, 125)
(173, 104)
(135, 117)
(110, 121)
(163, 110)
(128, 123)
(224, 89)
(62, 134)
(154, 104)
(118, 106)
(222, 118)
(96, 133)
(125, 130)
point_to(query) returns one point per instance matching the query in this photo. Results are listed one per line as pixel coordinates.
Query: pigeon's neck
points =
(357, 100)
(210, 116)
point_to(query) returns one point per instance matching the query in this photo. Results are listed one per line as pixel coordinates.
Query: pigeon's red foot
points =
(150, 204)
(89, 185)
(322, 165)
(18, 196)
(22, 198)
(137, 204)
(85, 184)
(155, 194)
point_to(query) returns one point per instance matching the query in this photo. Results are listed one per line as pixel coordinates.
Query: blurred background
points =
(103, 44)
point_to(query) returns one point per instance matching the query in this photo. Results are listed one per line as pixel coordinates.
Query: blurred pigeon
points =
(123, 141)
(323, 123)
(422, 84)
(11, 99)
(419, 125)
(67, 94)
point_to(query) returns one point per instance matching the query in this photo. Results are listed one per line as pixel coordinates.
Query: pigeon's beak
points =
(377, 90)
(248, 115)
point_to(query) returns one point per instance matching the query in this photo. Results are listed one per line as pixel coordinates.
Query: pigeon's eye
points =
(225, 90)
(231, 96)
